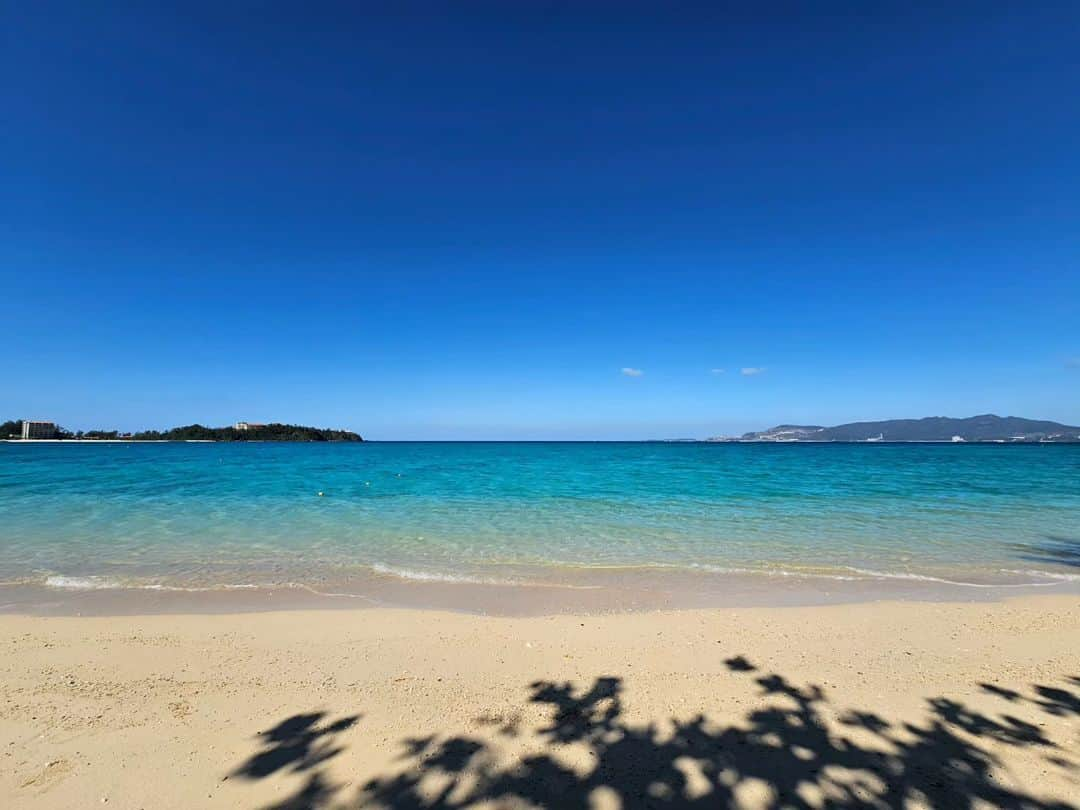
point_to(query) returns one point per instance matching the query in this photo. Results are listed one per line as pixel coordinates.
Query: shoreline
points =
(895, 704)
(888, 442)
(629, 591)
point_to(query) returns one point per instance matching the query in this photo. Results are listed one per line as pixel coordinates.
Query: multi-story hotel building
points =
(38, 430)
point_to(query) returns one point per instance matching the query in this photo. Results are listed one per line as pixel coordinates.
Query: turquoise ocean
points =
(200, 517)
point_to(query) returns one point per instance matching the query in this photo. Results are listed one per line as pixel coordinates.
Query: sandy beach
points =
(871, 705)
(504, 406)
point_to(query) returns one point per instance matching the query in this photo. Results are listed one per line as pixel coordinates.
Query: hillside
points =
(984, 428)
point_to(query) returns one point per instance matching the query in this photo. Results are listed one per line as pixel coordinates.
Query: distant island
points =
(240, 432)
(985, 428)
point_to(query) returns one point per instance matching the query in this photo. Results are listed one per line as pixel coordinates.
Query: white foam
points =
(95, 583)
(1057, 575)
(437, 576)
(105, 584)
(81, 583)
(927, 578)
(771, 572)
(243, 586)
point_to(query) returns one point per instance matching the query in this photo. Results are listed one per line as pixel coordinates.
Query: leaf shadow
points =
(788, 747)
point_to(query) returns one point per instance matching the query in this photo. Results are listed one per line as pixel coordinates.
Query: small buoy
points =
(320, 493)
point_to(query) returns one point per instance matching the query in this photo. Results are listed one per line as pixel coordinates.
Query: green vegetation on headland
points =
(274, 432)
(253, 433)
(11, 429)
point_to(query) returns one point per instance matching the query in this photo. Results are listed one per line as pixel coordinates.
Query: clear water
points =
(221, 515)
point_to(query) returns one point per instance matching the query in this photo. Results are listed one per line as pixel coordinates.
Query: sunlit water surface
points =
(176, 515)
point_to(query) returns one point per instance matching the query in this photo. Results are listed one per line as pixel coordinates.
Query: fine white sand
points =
(869, 705)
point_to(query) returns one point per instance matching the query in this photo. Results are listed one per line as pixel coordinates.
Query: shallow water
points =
(643, 516)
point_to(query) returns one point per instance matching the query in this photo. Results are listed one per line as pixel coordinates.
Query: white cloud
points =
(632, 372)
(716, 371)
(751, 371)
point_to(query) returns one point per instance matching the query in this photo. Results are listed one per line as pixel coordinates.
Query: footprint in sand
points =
(52, 774)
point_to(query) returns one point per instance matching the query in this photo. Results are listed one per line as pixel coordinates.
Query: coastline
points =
(383, 707)
(566, 591)
(88, 441)
(881, 442)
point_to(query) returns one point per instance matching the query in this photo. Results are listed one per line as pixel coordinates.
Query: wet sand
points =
(564, 591)
(929, 704)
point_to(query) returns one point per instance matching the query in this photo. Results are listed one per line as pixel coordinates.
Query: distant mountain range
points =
(985, 428)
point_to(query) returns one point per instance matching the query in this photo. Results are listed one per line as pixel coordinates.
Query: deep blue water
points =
(235, 514)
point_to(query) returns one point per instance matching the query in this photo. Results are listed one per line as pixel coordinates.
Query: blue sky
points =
(466, 220)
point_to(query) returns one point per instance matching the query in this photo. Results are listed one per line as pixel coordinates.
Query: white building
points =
(248, 425)
(38, 430)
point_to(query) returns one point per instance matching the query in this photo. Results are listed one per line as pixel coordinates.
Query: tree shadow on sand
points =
(300, 743)
(787, 753)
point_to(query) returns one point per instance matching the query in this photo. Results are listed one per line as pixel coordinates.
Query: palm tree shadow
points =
(787, 748)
